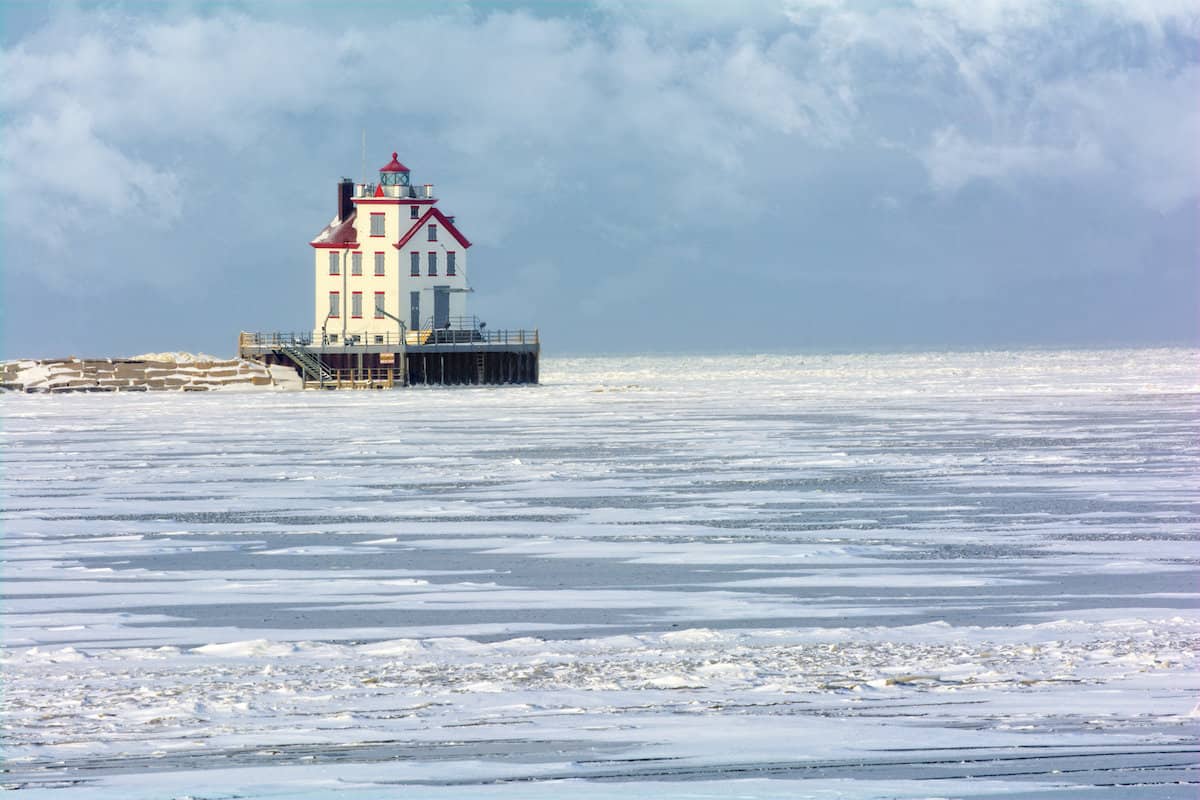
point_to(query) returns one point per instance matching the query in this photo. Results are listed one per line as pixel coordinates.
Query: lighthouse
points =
(389, 260)
(390, 308)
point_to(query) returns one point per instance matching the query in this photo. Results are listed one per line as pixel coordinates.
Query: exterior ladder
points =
(311, 365)
(479, 362)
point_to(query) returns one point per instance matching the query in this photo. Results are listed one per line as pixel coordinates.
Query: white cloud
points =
(953, 161)
(58, 169)
(102, 114)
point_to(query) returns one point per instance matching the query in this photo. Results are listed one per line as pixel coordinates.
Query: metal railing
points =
(428, 335)
(412, 191)
(366, 378)
(310, 364)
(274, 340)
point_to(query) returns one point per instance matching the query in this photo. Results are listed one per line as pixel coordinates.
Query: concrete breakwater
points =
(59, 375)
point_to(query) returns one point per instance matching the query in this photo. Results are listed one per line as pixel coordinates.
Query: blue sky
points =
(661, 176)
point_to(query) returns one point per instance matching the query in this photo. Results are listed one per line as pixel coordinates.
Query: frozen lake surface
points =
(931, 575)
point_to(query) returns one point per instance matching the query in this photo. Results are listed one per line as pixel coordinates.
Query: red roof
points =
(338, 234)
(446, 223)
(393, 166)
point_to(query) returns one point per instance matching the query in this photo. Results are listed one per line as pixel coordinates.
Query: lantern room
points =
(393, 173)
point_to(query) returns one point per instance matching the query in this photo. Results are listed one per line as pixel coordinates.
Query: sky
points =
(768, 175)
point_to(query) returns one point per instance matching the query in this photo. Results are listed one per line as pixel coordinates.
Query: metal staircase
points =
(312, 367)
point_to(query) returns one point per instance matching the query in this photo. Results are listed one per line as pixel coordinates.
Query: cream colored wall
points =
(424, 284)
(396, 282)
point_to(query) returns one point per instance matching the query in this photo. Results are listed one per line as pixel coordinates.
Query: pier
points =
(467, 354)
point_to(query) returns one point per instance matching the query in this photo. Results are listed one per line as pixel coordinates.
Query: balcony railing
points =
(429, 335)
(403, 192)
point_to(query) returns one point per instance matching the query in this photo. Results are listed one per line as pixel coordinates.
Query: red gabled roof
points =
(393, 166)
(440, 217)
(338, 234)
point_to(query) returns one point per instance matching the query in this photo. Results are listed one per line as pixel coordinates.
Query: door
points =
(414, 311)
(441, 307)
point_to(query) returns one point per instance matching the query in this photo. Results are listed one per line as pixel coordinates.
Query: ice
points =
(919, 575)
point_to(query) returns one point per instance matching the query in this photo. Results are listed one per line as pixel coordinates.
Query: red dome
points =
(393, 166)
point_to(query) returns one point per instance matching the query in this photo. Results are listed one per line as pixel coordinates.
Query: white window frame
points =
(451, 263)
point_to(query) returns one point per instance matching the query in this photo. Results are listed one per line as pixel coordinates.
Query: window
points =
(413, 212)
(416, 264)
(356, 305)
(379, 305)
(335, 304)
(333, 338)
(356, 263)
(378, 338)
(451, 267)
(432, 233)
(334, 265)
(379, 263)
(432, 264)
(377, 224)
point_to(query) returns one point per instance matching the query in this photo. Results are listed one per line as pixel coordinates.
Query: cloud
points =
(953, 161)
(131, 97)
(653, 147)
(58, 170)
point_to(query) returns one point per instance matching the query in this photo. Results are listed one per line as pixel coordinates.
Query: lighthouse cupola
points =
(393, 173)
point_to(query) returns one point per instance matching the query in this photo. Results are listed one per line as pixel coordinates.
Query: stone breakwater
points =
(58, 375)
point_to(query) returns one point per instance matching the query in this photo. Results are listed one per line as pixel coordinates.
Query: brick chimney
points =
(345, 195)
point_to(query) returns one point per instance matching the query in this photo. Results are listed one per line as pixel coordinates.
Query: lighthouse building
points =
(390, 282)
(390, 266)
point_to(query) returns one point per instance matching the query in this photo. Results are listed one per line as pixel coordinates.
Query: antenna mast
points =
(364, 155)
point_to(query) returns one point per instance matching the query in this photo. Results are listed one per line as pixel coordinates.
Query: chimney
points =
(345, 193)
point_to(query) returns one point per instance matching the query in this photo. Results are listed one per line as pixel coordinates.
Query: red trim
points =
(446, 223)
(394, 165)
(327, 246)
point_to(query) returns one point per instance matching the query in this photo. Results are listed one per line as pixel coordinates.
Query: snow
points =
(854, 576)
(177, 357)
